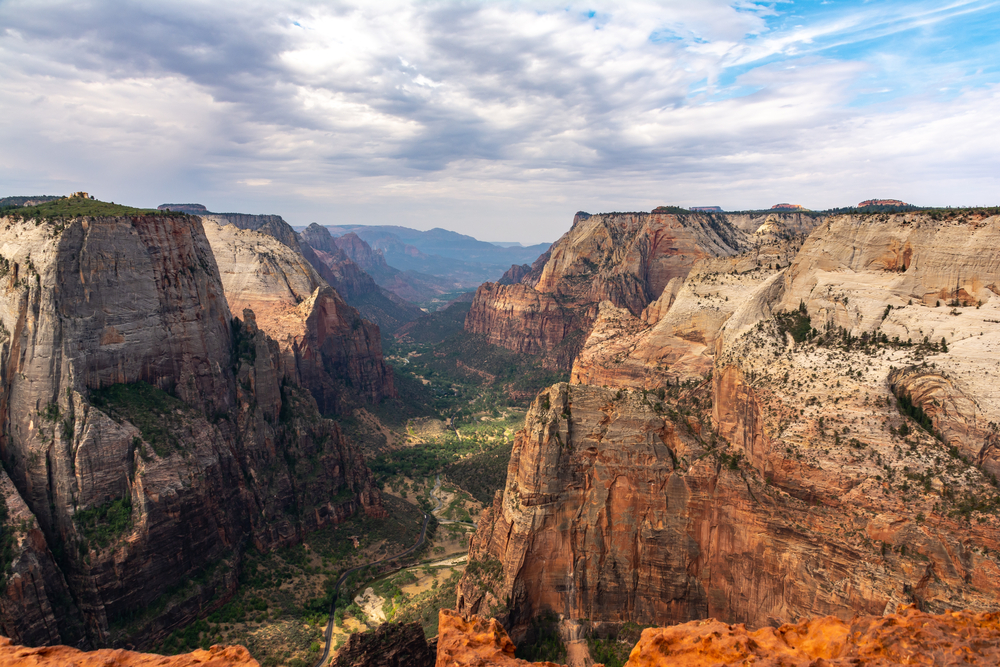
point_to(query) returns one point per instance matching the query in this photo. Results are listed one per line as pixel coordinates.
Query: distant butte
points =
(788, 207)
(708, 209)
(882, 202)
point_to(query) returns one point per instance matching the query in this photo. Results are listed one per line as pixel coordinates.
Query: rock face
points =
(476, 642)
(358, 288)
(769, 445)
(389, 645)
(674, 338)
(129, 391)
(325, 343)
(626, 259)
(217, 656)
(909, 637)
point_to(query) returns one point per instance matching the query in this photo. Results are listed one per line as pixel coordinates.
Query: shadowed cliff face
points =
(626, 259)
(148, 437)
(788, 476)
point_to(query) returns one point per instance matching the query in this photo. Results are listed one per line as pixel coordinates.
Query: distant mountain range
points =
(429, 268)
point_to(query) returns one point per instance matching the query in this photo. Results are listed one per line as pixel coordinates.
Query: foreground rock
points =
(908, 638)
(389, 645)
(53, 656)
(476, 642)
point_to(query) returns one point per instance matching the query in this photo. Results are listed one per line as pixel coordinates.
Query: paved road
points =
(336, 591)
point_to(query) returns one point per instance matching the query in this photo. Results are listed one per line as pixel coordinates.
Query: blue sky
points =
(499, 119)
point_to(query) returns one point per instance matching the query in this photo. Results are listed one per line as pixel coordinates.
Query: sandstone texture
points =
(127, 389)
(325, 343)
(674, 338)
(389, 645)
(626, 259)
(907, 638)
(355, 283)
(64, 656)
(476, 642)
(768, 440)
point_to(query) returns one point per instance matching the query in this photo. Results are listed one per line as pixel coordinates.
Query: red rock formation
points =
(626, 259)
(906, 638)
(62, 656)
(787, 207)
(909, 637)
(476, 642)
(882, 202)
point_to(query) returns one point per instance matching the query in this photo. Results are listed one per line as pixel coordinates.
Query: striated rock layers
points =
(833, 456)
(354, 281)
(627, 259)
(148, 436)
(63, 656)
(325, 343)
(674, 338)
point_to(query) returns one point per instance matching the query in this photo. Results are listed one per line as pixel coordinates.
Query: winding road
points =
(343, 577)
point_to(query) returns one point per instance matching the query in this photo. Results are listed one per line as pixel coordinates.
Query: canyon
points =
(761, 418)
(149, 435)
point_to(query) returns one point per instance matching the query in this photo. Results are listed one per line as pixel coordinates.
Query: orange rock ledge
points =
(64, 656)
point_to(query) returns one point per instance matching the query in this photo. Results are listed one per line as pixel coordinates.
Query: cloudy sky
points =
(499, 119)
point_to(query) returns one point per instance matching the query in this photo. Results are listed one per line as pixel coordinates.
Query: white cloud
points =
(505, 113)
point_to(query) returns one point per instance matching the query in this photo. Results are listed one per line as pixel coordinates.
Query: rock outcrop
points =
(476, 642)
(325, 343)
(774, 441)
(149, 437)
(389, 645)
(674, 338)
(908, 637)
(627, 259)
(376, 304)
(61, 656)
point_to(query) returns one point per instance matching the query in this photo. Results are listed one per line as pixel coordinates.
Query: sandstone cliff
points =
(148, 436)
(325, 342)
(674, 338)
(627, 259)
(358, 287)
(773, 442)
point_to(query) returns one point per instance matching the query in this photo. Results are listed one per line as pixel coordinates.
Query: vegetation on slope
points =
(76, 207)
(151, 410)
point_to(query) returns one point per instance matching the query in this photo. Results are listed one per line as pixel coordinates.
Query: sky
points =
(499, 119)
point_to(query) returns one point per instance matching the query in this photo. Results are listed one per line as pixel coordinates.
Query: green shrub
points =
(105, 523)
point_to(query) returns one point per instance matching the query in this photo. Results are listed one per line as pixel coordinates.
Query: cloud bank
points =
(499, 119)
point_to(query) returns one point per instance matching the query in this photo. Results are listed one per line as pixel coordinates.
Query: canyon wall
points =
(781, 433)
(354, 280)
(627, 259)
(148, 436)
(325, 342)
